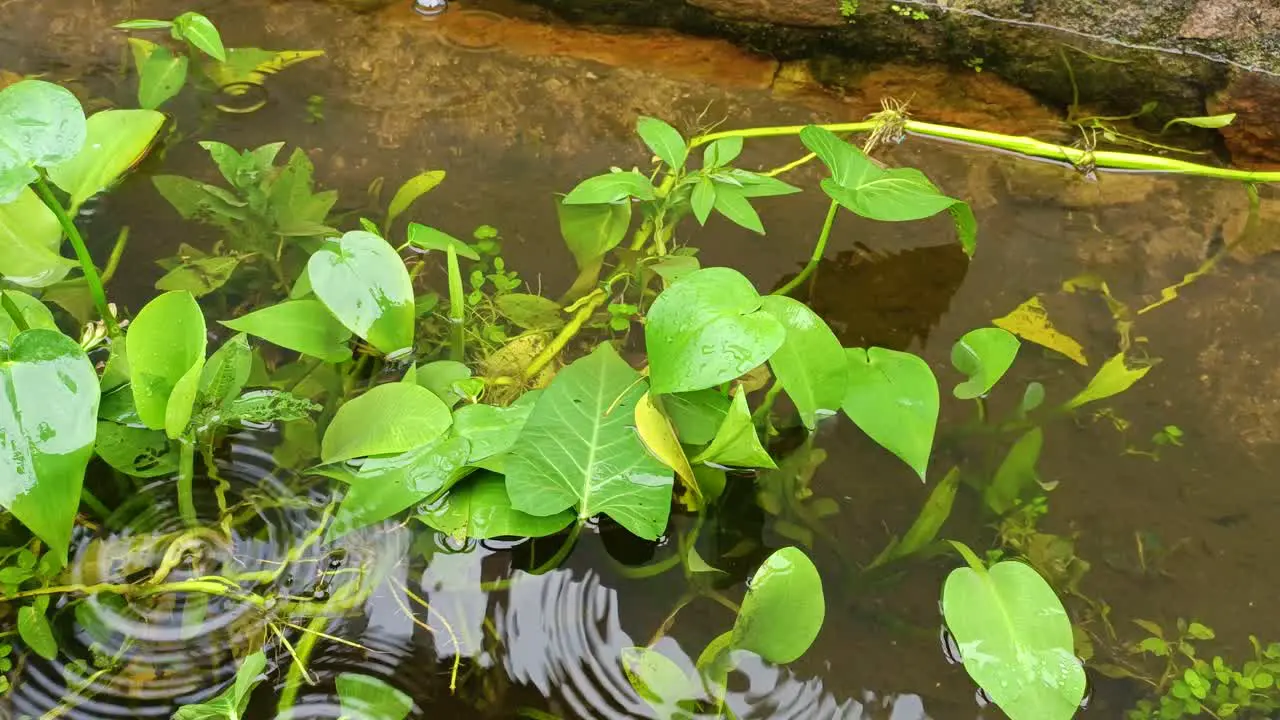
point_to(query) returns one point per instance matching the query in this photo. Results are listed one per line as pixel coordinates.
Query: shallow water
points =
(512, 125)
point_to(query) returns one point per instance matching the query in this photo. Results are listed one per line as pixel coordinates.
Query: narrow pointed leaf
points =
(408, 193)
(429, 238)
(1016, 474)
(1113, 378)
(732, 203)
(659, 438)
(304, 326)
(200, 32)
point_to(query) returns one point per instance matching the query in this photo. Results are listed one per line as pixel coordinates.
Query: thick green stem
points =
(818, 250)
(15, 314)
(82, 254)
(1101, 159)
(186, 482)
(457, 348)
(296, 675)
(567, 333)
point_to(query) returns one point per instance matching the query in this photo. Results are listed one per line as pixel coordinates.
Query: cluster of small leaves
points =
(22, 569)
(1193, 686)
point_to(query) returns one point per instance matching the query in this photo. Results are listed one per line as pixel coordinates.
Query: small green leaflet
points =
(408, 193)
(664, 141)
(611, 187)
(231, 704)
(736, 442)
(367, 698)
(201, 33)
(304, 326)
(33, 628)
(1113, 378)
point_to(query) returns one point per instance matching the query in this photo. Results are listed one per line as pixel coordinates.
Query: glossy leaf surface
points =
(166, 347)
(389, 418)
(34, 313)
(304, 326)
(383, 487)
(984, 355)
(30, 238)
(783, 609)
(409, 192)
(579, 449)
(810, 364)
(663, 140)
(362, 281)
(116, 141)
(480, 508)
(708, 328)
(893, 398)
(42, 124)
(736, 442)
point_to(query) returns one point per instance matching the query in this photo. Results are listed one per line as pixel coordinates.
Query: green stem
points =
(1102, 159)
(206, 587)
(94, 503)
(565, 548)
(818, 250)
(15, 314)
(457, 349)
(567, 333)
(186, 482)
(295, 677)
(770, 396)
(82, 254)
(117, 252)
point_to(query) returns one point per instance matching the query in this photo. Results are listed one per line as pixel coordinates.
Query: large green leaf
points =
(33, 312)
(985, 355)
(1015, 639)
(166, 345)
(363, 282)
(30, 237)
(810, 364)
(783, 609)
(390, 418)
(369, 698)
(491, 430)
(893, 397)
(736, 442)
(48, 420)
(304, 326)
(42, 123)
(117, 140)
(886, 194)
(663, 140)
(590, 231)
(480, 508)
(708, 328)
(383, 487)
(232, 703)
(579, 449)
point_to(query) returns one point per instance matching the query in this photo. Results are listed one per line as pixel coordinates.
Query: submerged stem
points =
(818, 250)
(82, 254)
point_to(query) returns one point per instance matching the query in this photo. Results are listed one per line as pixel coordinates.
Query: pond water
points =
(515, 111)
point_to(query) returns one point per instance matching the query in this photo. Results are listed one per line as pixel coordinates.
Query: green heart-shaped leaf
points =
(390, 418)
(811, 365)
(784, 608)
(363, 282)
(985, 355)
(893, 398)
(166, 346)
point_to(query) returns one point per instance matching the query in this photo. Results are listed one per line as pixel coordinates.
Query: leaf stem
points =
(186, 482)
(1102, 159)
(82, 254)
(818, 250)
(457, 348)
(567, 333)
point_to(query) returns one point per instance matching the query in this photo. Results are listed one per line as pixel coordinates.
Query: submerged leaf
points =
(1016, 474)
(200, 276)
(116, 141)
(783, 609)
(389, 418)
(49, 398)
(659, 682)
(579, 449)
(985, 355)
(33, 628)
(934, 513)
(479, 508)
(1015, 640)
(708, 328)
(1030, 321)
(383, 487)
(1113, 378)
(893, 398)
(161, 73)
(369, 698)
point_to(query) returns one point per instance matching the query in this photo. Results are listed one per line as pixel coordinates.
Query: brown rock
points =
(1230, 20)
(1254, 137)
(796, 13)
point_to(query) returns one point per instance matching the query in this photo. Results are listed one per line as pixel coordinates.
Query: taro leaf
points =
(41, 123)
(439, 377)
(390, 418)
(708, 328)
(736, 442)
(1015, 639)
(696, 415)
(30, 237)
(1030, 321)
(135, 450)
(161, 73)
(659, 438)
(1113, 378)
(491, 430)
(304, 326)
(408, 193)
(893, 398)
(611, 187)
(891, 195)
(200, 276)
(383, 487)
(722, 152)
(811, 365)
(530, 312)
(660, 682)
(1210, 122)
(226, 372)
(783, 609)
(985, 355)
(48, 421)
(231, 704)
(590, 231)
(579, 449)
(429, 238)
(368, 698)
(166, 346)
(33, 313)
(33, 628)
(362, 281)
(479, 508)
(1016, 473)
(200, 32)
(936, 510)
(117, 140)
(663, 140)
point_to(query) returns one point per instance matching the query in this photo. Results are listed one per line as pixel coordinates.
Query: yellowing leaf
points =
(659, 438)
(1030, 321)
(1113, 378)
